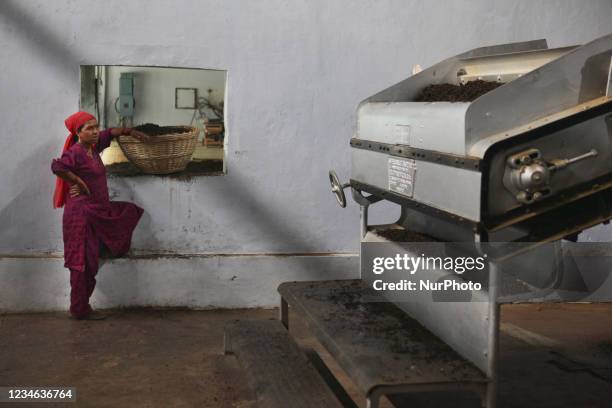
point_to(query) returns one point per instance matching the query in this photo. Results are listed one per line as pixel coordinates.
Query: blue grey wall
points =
(296, 72)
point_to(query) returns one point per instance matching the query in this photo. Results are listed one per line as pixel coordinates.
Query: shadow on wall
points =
(24, 227)
(28, 219)
(20, 218)
(240, 281)
(243, 194)
(247, 211)
(43, 39)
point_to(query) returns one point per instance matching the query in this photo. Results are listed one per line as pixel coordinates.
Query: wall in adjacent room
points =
(154, 93)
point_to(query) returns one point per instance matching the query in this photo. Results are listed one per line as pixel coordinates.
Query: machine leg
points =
(491, 396)
(559, 263)
(363, 230)
(372, 401)
(364, 220)
(493, 334)
(284, 313)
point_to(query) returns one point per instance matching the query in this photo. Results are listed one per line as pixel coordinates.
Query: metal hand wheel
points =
(337, 188)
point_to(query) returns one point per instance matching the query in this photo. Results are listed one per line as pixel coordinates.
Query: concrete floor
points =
(551, 356)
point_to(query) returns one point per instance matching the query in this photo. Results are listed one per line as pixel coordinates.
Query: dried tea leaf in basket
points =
(153, 129)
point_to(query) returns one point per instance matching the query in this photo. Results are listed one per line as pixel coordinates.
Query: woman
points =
(90, 219)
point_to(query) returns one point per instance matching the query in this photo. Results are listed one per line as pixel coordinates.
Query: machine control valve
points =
(528, 175)
(337, 188)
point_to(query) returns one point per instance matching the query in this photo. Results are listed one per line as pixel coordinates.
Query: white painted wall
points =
(154, 92)
(296, 72)
(200, 282)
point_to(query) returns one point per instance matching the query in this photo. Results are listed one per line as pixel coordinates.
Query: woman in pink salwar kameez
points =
(90, 219)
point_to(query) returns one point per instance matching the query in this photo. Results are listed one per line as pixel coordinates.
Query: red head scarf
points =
(73, 123)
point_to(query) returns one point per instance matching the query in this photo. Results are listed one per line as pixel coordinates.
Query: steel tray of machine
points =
(507, 166)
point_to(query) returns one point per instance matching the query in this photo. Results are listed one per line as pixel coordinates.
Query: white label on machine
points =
(401, 175)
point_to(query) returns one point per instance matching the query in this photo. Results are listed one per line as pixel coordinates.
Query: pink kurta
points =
(89, 220)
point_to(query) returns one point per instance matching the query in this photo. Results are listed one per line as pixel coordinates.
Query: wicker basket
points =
(162, 154)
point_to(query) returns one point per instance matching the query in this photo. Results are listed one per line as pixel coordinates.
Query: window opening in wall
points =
(182, 109)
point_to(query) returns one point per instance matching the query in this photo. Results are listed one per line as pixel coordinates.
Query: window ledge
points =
(194, 169)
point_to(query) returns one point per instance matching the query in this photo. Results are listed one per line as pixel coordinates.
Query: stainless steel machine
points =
(498, 168)
(528, 162)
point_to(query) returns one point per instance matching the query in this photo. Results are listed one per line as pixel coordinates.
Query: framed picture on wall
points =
(185, 98)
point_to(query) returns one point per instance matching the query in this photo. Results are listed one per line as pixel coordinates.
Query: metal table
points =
(379, 346)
